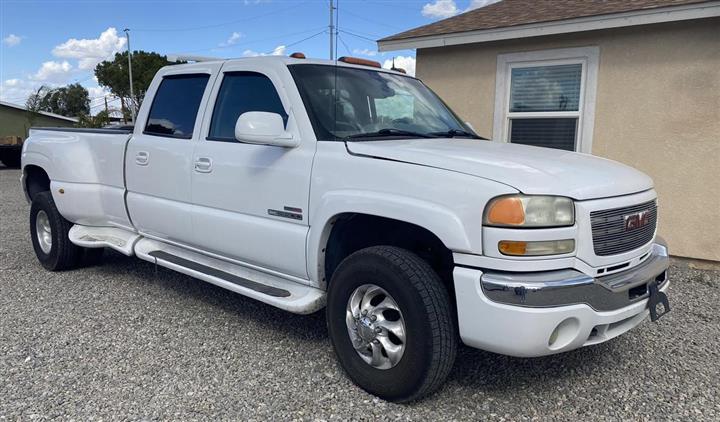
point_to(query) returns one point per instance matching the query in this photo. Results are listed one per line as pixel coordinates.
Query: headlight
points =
(529, 211)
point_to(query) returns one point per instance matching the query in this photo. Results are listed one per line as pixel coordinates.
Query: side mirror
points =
(260, 127)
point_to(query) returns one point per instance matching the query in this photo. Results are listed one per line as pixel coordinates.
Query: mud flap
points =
(656, 299)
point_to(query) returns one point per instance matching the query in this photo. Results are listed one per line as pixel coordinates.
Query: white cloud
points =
(476, 4)
(441, 9)
(278, 51)
(95, 92)
(232, 40)
(53, 72)
(12, 40)
(365, 52)
(402, 62)
(16, 91)
(90, 52)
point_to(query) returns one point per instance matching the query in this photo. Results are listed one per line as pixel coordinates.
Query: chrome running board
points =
(276, 291)
(121, 240)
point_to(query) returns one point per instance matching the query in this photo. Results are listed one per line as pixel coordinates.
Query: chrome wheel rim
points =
(376, 326)
(43, 231)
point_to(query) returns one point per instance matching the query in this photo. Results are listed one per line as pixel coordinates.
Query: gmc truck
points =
(310, 184)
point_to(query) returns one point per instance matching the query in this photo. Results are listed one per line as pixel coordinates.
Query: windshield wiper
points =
(456, 132)
(390, 132)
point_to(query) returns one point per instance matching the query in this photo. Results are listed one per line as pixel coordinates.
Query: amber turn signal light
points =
(510, 247)
(536, 248)
(507, 211)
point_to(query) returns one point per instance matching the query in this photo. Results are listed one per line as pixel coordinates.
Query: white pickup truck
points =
(309, 183)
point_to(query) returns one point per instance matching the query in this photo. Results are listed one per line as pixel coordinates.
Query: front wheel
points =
(391, 323)
(49, 233)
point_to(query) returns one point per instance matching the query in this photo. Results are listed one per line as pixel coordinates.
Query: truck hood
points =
(531, 170)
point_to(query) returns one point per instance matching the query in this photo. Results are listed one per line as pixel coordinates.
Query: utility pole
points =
(132, 94)
(332, 31)
(106, 107)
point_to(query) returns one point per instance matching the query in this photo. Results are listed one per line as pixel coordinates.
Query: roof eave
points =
(588, 23)
(44, 113)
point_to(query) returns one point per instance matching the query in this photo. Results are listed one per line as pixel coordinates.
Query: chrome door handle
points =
(203, 165)
(142, 158)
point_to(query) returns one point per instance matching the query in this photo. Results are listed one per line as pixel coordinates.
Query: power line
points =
(197, 28)
(345, 45)
(243, 44)
(360, 17)
(358, 36)
(302, 40)
(365, 33)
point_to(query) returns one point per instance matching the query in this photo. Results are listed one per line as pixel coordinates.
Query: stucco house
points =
(637, 81)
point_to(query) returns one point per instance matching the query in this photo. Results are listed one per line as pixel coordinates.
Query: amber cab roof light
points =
(297, 55)
(399, 69)
(359, 61)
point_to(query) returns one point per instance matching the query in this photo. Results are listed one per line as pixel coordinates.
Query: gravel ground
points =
(119, 341)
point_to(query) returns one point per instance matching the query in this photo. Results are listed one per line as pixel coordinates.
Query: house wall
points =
(657, 109)
(14, 122)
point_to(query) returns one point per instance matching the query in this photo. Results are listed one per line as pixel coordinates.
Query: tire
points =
(430, 342)
(11, 160)
(61, 254)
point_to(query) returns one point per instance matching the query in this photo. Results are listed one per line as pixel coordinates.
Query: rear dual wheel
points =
(49, 233)
(391, 323)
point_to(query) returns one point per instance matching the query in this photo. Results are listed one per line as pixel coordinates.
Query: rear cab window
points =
(175, 106)
(239, 93)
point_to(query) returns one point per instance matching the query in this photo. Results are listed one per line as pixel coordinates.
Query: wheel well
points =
(36, 181)
(352, 232)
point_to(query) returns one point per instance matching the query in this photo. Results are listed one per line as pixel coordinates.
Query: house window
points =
(546, 98)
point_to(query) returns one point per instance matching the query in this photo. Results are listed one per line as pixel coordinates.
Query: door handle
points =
(203, 165)
(142, 158)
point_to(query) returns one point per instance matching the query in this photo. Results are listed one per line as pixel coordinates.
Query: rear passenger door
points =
(158, 161)
(251, 200)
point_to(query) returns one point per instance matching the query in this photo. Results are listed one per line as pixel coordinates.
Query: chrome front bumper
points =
(570, 287)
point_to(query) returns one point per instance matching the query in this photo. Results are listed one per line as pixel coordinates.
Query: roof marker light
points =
(359, 61)
(297, 55)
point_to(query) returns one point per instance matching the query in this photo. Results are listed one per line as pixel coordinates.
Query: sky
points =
(56, 42)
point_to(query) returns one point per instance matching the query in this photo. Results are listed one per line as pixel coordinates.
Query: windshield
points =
(357, 104)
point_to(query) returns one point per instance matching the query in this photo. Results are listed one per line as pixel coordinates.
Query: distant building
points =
(15, 120)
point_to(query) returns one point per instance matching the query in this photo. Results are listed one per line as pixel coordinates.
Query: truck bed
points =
(86, 172)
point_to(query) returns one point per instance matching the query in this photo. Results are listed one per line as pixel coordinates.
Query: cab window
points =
(241, 92)
(175, 106)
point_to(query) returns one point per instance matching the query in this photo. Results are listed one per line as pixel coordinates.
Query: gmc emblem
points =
(637, 220)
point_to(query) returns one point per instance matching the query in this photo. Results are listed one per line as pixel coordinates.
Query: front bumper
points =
(533, 314)
(570, 287)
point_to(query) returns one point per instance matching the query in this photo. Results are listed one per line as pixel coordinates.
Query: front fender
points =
(437, 218)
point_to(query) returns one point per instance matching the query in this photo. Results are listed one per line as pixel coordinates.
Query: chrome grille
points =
(609, 234)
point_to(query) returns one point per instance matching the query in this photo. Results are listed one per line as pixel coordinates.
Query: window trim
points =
(588, 57)
(157, 90)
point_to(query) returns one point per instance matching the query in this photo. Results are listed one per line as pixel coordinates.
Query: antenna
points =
(132, 95)
(332, 30)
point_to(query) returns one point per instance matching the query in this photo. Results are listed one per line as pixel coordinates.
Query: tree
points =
(114, 75)
(34, 104)
(72, 100)
(99, 120)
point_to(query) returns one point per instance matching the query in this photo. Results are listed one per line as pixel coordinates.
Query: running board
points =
(273, 290)
(121, 240)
